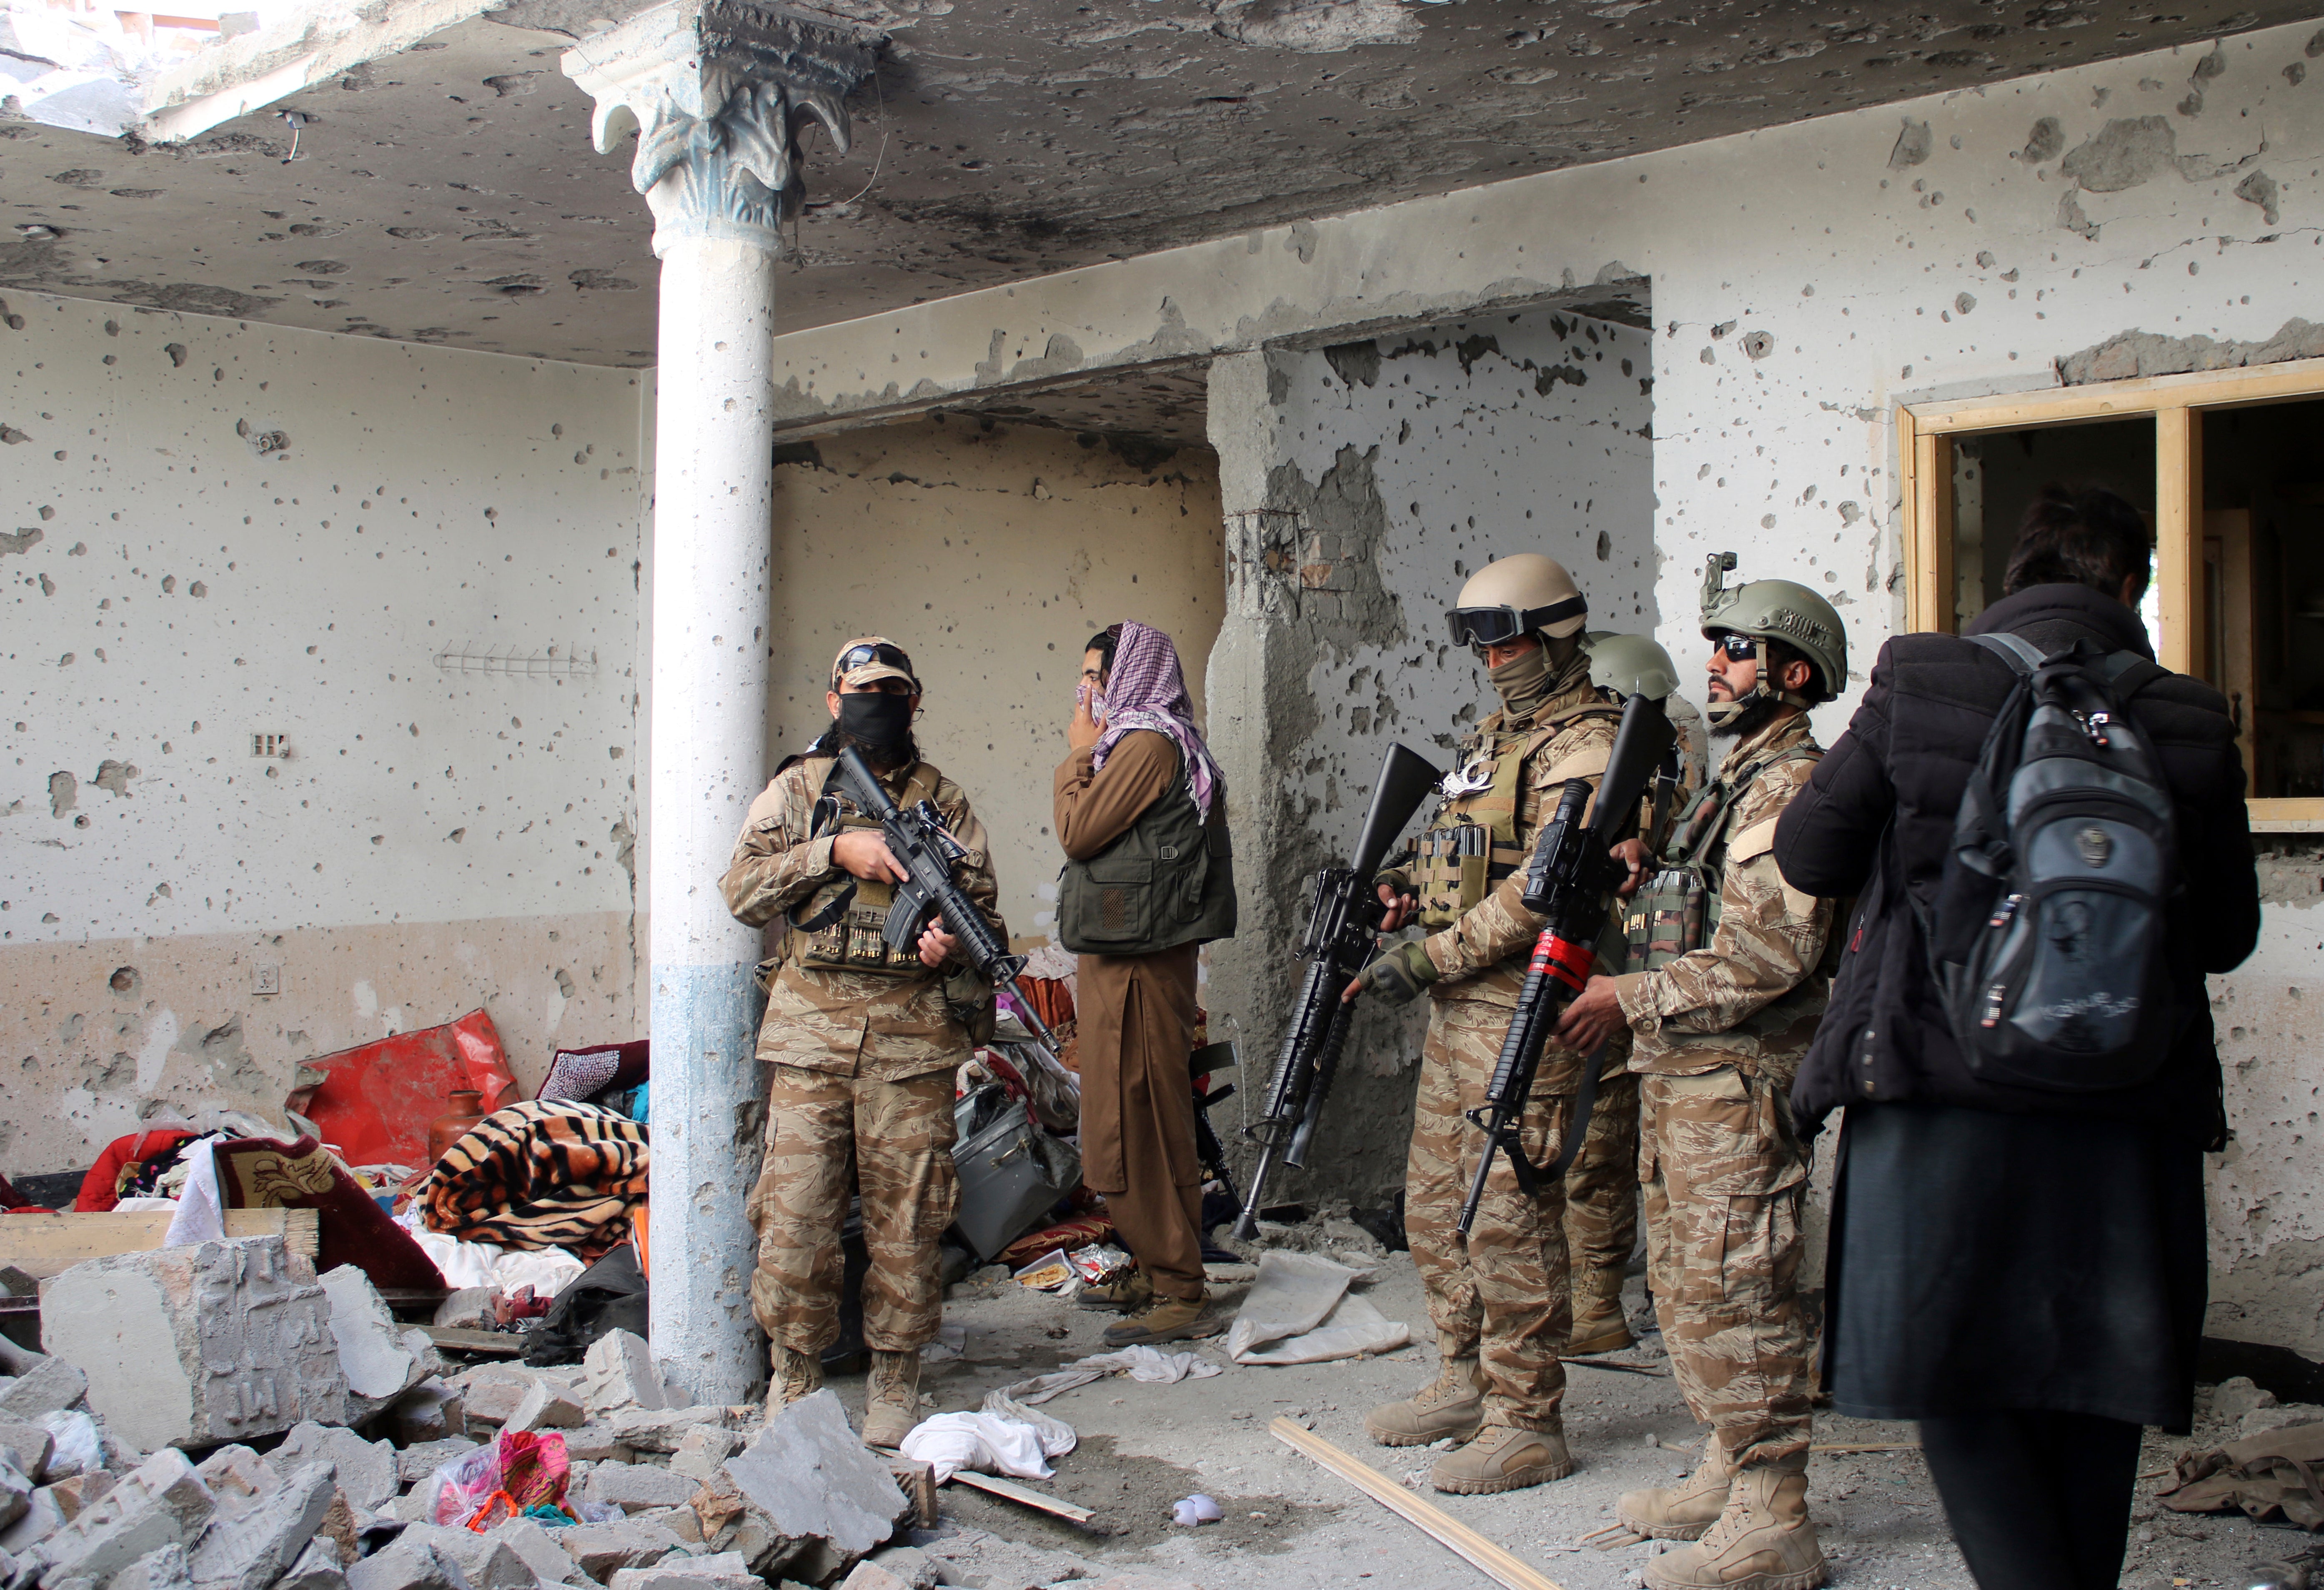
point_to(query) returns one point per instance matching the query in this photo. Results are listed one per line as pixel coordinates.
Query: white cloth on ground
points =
(1300, 1311)
(201, 1215)
(1150, 1364)
(548, 1271)
(985, 1442)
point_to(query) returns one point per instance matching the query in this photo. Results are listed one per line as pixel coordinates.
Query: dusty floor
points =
(1291, 1525)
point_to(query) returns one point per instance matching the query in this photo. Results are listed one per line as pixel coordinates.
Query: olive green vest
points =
(1169, 879)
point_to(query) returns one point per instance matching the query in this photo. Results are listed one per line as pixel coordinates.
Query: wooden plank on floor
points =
(1448, 1531)
(46, 1244)
(496, 1344)
(1024, 1495)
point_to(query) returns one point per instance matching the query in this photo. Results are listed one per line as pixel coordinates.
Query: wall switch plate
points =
(270, 745)
(266, 980)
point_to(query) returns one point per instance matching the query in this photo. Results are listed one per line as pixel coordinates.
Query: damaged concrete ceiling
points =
(447, 193)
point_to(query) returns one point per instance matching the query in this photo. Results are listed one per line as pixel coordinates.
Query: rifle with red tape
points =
(1571, 883)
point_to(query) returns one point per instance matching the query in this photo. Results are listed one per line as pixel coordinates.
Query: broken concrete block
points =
(489, 1394)
(595, 1443)
(238, 1474)
(468, 1309)
(428, 1411)
(871, 1575)
(163, 1569)
(413, 1565)
(163, 1501)
(15, 1494)
(378, 1366)
(31, 1443)
(318, 1568)
(250, 1546)
(44, 1515)
(200, 1345)
(541, 1551)
(619, 1372)
(915, 1567)
(414, 1463)
(487, 1563)
(2237, 1395)
(703, 1449)
(634, 1487)
(49, 1387)
(76, 1494)
(367, 1470)
(659, 1430)
(415, 1506)
(342, 1527)
(547, 1406)
(602, 1550)
(723, 1570)
(811, 1476)
(2259, 1421)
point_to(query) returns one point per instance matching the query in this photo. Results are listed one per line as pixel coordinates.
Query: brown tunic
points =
(1136, 1015)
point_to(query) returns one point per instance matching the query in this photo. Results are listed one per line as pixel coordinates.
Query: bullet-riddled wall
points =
(989, 552)
(320, 653)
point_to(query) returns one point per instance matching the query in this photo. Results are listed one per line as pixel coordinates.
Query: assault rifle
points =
(1571, 883)
(1342, 931)
(920, 841)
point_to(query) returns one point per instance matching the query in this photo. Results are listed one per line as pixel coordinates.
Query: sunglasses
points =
(857, 657)
(1740, 648)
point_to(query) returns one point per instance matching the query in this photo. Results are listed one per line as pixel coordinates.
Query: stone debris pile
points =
(217, 1417)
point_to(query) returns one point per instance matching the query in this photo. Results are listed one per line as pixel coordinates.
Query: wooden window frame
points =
(1924, 437)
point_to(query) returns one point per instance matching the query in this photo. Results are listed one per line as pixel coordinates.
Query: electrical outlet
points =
(270, 745)
(265, 979)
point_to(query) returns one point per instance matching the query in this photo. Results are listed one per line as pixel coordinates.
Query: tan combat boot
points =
(1599, 1323)
(1125, 1294)
(891, 1398)
(1502, 1458)
(1452, 1404)
(1763, 1541)
(791, 1374)
(1681, 1512)
(1164, 1319)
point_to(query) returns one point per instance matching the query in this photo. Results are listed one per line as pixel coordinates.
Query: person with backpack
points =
(2048, 836)
(1720, 994)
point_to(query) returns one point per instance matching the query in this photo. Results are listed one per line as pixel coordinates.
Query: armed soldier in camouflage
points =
(1727, 974)
(862, 1042)
(1498, 1300)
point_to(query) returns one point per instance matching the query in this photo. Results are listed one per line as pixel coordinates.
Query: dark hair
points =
(1103, 643)
(1783, 654)
(2085, 535)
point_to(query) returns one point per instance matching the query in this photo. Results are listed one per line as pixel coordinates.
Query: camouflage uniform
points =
(1601, 1186)
(862, 1067)
(1502, 1294)
(1719, 1032)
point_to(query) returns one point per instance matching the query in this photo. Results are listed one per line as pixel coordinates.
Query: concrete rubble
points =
(217, 1417)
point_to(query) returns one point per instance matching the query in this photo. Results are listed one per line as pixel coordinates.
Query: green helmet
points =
(1773, 610)
(1630, 665)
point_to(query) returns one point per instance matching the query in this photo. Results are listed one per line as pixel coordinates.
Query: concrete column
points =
(717, 94)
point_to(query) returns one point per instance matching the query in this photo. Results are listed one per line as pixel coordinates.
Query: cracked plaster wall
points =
(2160, 212)
(1390, 470)
(220, 531)
(989, 552)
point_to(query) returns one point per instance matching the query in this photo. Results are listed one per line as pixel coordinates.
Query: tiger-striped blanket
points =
(541, 1174)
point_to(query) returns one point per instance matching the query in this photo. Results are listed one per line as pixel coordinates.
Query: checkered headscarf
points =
(1147, 690)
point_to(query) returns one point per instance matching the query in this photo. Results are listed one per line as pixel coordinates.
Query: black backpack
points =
(2047, 940)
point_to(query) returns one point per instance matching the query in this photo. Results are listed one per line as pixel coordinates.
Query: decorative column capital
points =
(717, 92)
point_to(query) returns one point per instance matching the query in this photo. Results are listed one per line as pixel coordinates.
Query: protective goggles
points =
(1497, 626)
(1740, 648)
(857, 657)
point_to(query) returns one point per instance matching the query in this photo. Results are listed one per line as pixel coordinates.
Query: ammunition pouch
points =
(838, 927)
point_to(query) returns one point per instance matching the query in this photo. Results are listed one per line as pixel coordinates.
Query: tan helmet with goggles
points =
(1516, 596)
(867, 659)
(1773, 610)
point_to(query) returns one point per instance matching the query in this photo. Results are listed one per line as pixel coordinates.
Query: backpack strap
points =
(2021, 654)
(2129, 672)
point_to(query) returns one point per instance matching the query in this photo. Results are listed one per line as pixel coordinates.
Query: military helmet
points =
(1514, 597)
(1630, 665)
(1777, 609)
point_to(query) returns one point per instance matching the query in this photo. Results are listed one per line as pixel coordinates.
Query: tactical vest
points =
(1677, 909)
(1472, 844)
(1166, 880)
(837, 928)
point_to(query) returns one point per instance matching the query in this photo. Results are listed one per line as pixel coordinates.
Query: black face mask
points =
(877, 719)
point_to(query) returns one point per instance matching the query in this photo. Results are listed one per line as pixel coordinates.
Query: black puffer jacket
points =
(1908, 752)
